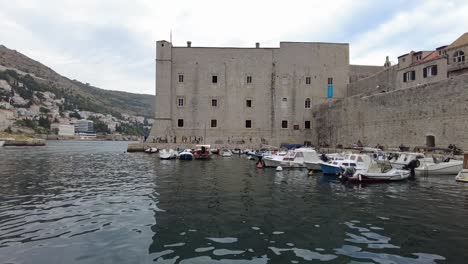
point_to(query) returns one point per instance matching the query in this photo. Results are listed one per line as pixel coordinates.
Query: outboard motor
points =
(347, 173)
(411, 166)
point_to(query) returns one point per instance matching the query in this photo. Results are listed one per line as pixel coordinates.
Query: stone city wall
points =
(404, 116)
(383, 81)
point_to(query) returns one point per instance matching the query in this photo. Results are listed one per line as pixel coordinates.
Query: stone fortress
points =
(307, 92)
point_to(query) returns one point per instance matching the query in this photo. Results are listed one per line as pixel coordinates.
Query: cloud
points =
(111, 43)
(425, 26)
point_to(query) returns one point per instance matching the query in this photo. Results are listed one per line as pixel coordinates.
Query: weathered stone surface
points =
(404, 116)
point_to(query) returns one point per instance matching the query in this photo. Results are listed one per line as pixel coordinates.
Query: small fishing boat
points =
(358, 161)
(151, 150)
(377, 172)
(236, 151)
(226, 153)
(2, 142)
(202, 152)
(400, 159)
(293, 159)
(167, 154)
(186, 155)
(436, 166)
(463, 174)
(214, 151)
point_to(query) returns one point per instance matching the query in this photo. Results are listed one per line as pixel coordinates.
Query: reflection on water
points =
(90, 202)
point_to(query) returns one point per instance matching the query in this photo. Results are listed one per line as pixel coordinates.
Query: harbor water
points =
(91, 202)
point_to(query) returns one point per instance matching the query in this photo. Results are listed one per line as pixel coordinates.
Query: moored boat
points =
(186, 155)
(215, 151)
(377, 172)
(226, 153)
(463, 174)
(236, 151)
(202, 152)
(293, 159)
(359, 162)
(439, 167)
(167, 154)
(151, 150)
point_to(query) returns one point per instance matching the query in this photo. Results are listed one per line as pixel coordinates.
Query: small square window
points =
(214, 79)
(180, 101)
(284, 124)
(214, 123)
(330, 80)
(249, 79)
(181, 78)
(307, 80)
(296, 127)
(180, 122)
(248, 123)
(285, 99)
(248, 103)
(214, 103)
(307, 124)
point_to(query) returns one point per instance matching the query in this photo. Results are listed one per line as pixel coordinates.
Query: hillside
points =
(82, 96)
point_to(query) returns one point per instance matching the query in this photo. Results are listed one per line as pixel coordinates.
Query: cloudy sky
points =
(111, 43)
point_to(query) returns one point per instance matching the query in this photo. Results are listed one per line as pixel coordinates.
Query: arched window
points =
(307, 103)
(459, 56)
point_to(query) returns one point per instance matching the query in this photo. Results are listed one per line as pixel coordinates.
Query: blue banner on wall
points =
(330, 91)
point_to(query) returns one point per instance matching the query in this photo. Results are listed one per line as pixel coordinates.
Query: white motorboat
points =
(434, 166)
(463, 174)
(236, 151)
(359, 162)
(226, 153)
(2, 142)
(151, 150)
(293, 159)
(167, 154)
(400, 159)
(378, 172)
(186, 155)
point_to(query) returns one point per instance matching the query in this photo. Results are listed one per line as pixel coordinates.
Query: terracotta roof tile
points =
(432, 56)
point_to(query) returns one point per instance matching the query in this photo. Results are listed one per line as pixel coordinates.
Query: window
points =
(285, 99)
(330, 80)
(409, 76)
(180, 101)
(307, 80)
(214, 123)
(214, 79)
(214, 102)
(181, 78)
(307, 103)
(284, 124)
(296, 127)
(180, 122)
(248, 123)
(307, 124)
(459, 56)
(430, 71)
(248, 103)
(418, 57)
(249, 79)
(403, 60)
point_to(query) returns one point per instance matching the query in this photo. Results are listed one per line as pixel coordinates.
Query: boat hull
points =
(462, 176)
(186, 156)
(396, 175)
(449, 168)
(330, 169)
(284, 164)
(313, 166)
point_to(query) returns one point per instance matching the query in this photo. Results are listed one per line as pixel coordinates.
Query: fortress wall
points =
(404, 116)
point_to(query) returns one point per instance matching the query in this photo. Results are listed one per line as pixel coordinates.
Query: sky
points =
(111, 43)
